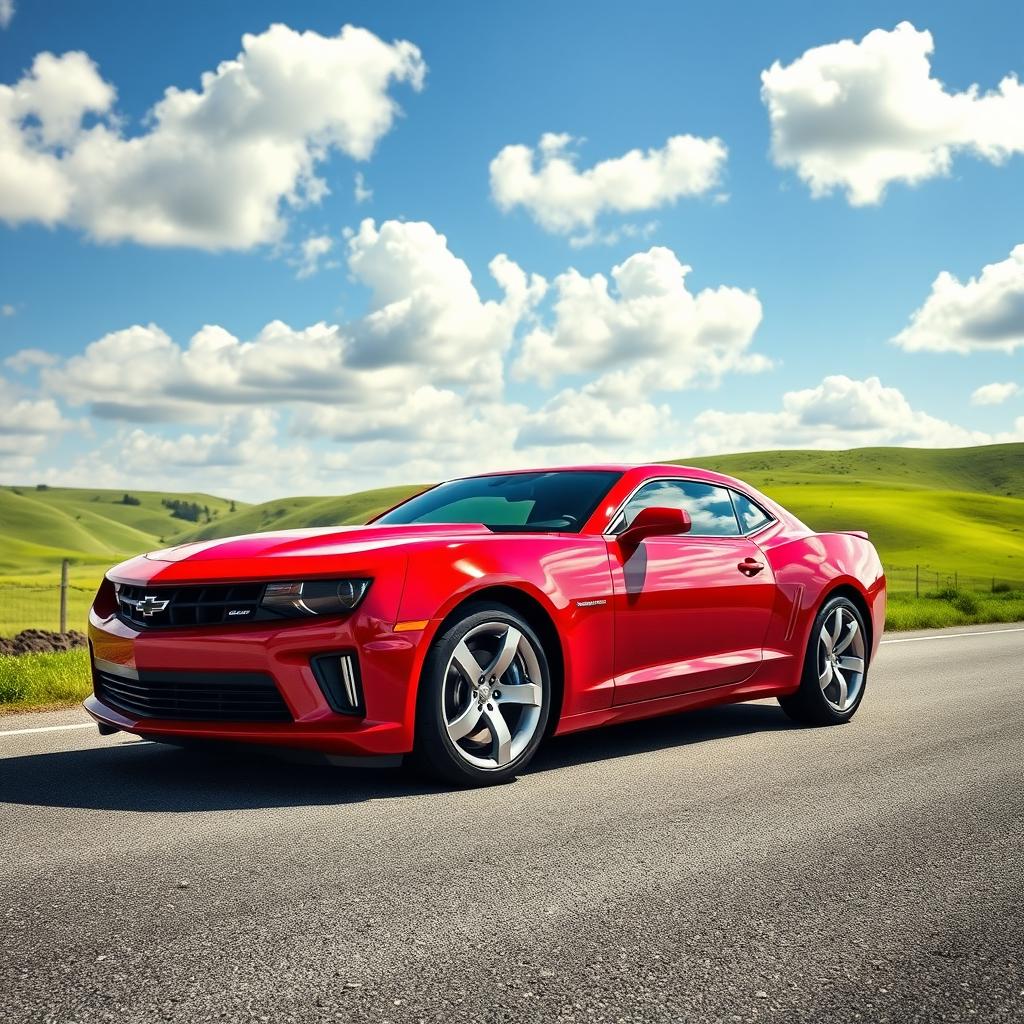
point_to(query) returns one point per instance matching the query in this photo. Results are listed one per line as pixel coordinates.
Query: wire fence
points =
(51, 603)
(924, 580)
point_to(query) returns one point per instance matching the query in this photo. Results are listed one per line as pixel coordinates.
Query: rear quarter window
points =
(751, 516)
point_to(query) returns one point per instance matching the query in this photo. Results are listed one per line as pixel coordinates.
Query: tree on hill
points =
(190, 511)
(129, 499)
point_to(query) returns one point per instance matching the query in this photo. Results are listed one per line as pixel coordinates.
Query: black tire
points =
(435, 753)
(810, 705)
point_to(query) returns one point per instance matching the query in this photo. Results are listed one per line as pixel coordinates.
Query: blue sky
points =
(836, 279)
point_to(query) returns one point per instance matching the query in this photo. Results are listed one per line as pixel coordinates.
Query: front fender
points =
(569, 581)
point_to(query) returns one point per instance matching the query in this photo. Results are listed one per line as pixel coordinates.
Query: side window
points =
(751, 516)
(710, 507)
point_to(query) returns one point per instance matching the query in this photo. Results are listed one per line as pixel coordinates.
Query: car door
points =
(691, 611)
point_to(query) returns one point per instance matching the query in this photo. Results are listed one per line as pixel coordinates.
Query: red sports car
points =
(474, 619)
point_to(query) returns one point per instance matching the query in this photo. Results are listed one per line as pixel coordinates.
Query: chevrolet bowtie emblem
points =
(150, 605)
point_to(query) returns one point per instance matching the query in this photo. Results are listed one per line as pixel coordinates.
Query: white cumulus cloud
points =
(239, 439)
(985, 314)
(425, 309)
(26, 420)
(6, 13)
(323, 447)
(645, 321)
(562, 198)
(241, 455)
(28, 424)
(362, 192)
(590, 417)
(840, 412)
(29, 358)
(859, 116)
(312, 255)
(995, 393)
(425, 321)
(214, 168)
(434, 416)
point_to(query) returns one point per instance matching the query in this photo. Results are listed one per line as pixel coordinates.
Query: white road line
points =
(954, 636)
(49, 728)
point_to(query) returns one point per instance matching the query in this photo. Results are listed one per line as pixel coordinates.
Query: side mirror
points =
(655, 521)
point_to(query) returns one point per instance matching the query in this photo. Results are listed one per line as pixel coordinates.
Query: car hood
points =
(336, 540)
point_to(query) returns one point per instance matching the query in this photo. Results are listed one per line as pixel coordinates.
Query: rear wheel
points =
(484, 699)
(835, 667)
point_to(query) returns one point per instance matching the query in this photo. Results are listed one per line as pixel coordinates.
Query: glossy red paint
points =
(638, 630)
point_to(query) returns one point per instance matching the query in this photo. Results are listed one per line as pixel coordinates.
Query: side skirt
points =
(769, 681)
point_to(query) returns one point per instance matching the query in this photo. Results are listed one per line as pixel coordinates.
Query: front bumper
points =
(389, 665)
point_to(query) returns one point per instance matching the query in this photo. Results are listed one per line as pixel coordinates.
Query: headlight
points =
(105, 601)
(313, 597)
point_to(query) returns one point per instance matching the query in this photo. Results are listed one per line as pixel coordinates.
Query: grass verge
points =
(949, 608)
(36, 682)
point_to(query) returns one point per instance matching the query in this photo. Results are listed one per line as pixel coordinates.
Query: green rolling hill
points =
(991, 469)
(951, 510)
(40, 526)
(298, 513)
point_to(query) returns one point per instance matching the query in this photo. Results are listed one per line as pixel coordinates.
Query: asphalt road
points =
(716, 866)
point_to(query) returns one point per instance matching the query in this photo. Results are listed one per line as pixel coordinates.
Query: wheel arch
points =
(540, 621)
(851, 593)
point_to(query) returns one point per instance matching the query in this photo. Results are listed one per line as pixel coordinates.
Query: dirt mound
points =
(41, 641)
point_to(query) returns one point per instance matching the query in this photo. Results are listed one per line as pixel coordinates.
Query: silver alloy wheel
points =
(492, 695)
(841, 659)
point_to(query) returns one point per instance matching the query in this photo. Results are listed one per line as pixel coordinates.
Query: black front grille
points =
(209, 605)
(194, 696)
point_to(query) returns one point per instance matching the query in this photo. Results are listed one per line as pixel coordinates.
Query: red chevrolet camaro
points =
(474, 619)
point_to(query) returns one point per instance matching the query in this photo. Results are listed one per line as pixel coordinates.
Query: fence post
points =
(993, 584)
(936, 581)
(917, 581)
(64, 596)
(956, 580)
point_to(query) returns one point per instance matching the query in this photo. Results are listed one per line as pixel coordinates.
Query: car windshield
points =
(563, 501)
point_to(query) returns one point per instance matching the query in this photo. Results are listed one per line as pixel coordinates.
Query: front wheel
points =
(835, 667)
(484, 700)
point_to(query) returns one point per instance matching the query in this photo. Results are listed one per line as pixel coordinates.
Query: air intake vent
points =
(338, 676)
(194, 696)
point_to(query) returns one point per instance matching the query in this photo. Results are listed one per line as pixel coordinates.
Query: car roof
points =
(639, 468)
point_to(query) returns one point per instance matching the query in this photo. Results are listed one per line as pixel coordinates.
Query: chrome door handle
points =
(750, 566)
